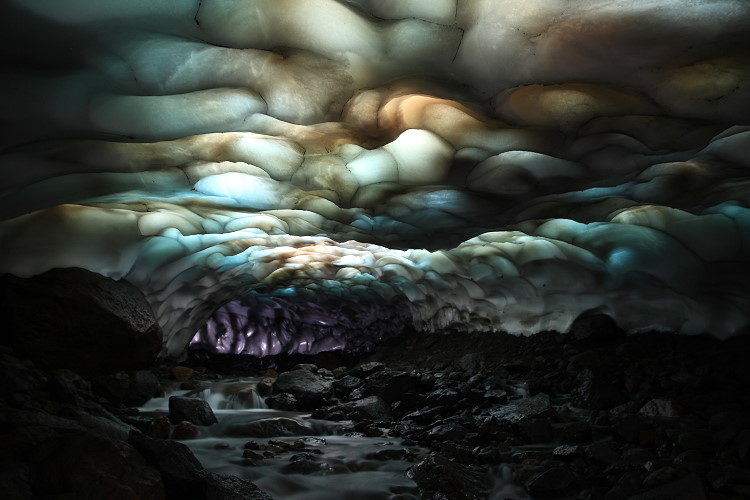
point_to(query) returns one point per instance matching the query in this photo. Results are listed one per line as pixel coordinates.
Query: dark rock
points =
(603, 451)
(184, 431)
(593, 327)
(113, 387)
(143, 386)
(447, 432)
(388, 454)
(305, 366)
(346, 385)
(437, 475)
(537, 430)
(498, 396)
(229, 487)
(572, 432)
(185, 477)
(265, 387)
(73, 318)
(193, 410)
(369, 408)
(391, 385)
(661, 408)
(425, 415)
(180, 471)
(551, 482)
(301, 466)
(522, 409)
(308, 388)
(696, 439)
(182, 373)
(87, 465)
(269, 427)
(442, 397)
(566, 451)
(62, 390)
(283, 401)
(597, 391)
(687, 488)
(366, 369)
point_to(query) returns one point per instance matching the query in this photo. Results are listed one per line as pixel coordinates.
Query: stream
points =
(328, 463)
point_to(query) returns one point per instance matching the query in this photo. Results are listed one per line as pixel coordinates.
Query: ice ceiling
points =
(349, 165)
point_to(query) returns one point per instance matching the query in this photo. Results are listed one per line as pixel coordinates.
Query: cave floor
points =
(457, 415)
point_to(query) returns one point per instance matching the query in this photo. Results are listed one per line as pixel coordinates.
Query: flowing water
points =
(346, 469)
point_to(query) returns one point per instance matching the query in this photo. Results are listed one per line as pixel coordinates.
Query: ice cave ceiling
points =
(354, 165)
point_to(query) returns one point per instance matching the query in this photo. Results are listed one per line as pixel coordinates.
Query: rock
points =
(229, 487)
(566, 451)
(193, 410)
(144, 385)
(185, 477)
(301, 466)
(308, 388)
(551, 482)
(472, 362)
(442, 397)
(283, 401)
(388, 454)
(522, 409)
(687, 488)
(346, 385)
(184, 431)
(603, 451)
(366, 369)
(593, 327)
(661, 408)
(391, 385)
(269, 427)
(369, 408)
(537, 430)
(447, 432)
(112, 387)
(437, 475)
(340, 371)
(696, 439)
(180, 470)
(182, 373)
(305, 366)
(572, 432)
(497, 396)
(76, 319)
(596, 391)
(265, 386)
(87, 465)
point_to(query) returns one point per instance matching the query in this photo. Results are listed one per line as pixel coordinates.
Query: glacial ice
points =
(316, 174)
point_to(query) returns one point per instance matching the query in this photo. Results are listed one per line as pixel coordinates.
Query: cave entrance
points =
(257, 329)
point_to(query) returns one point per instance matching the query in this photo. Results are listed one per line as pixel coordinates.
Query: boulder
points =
(308, 388)
(522, 409)
(76, 319)
(88, 465)
(369, 408)
(185, 477)
(440, 477)
(269, 427)
(282, 401)
(551, 482)
(391, 385)
(193, 410)
(596, 391)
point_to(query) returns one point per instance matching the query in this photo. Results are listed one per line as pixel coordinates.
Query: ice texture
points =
(281, 174)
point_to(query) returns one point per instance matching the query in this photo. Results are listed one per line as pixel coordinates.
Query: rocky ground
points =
(590, 414)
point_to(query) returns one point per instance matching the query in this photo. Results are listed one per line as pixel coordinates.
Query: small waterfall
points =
(234, 394)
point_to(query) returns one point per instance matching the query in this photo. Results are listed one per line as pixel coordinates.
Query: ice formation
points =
(484, 164)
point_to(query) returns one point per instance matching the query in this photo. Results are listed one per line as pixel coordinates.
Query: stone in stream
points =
(307, 387)
(283, 401)
(522, 409)
(440, 477)
(551, 482)
(346, 385)
(269, 427)
(369, 408)
(193, 410)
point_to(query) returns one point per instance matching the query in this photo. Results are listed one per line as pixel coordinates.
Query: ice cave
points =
(375, 249)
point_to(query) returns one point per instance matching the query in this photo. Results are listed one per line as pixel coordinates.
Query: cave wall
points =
(484, 164)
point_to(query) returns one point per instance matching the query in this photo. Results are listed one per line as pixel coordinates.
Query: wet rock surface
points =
(550, 416)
